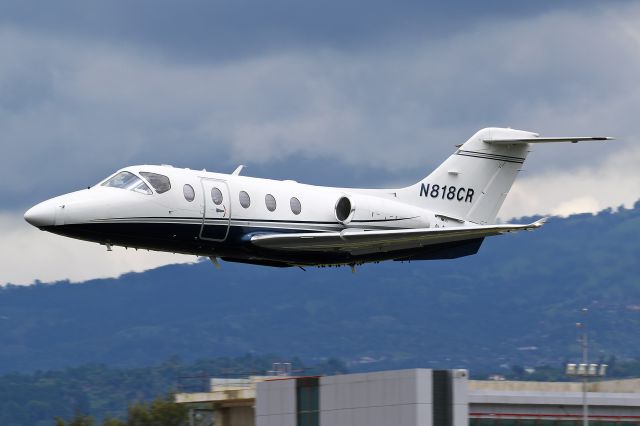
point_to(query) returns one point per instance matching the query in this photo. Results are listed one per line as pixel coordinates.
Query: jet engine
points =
(362, 210)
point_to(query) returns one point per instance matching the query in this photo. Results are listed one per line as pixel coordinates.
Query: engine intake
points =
(344, 210)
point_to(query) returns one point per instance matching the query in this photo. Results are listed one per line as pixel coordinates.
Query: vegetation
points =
(511, 307)
(516, 302)
(97, 395)
(105, 392)
(160, 412)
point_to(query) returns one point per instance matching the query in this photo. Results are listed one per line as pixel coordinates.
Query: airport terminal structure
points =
(413, 397)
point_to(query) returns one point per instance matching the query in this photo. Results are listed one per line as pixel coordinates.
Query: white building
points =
(409, 397)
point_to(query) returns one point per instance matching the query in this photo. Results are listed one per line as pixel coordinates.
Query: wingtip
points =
(538, 223)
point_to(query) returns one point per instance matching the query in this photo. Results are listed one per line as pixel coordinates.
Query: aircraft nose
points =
(40, 215)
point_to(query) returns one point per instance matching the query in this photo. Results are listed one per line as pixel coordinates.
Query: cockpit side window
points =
(160, 183)
(127, 180)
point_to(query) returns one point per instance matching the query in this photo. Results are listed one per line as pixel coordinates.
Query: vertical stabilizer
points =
(472, 183)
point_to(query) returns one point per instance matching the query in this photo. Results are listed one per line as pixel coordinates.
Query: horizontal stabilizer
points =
(359, 241)
(573, 139)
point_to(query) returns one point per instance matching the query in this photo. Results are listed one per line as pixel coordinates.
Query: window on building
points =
(308, 401)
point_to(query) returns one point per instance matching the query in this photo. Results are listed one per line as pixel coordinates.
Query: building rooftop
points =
(226, 390)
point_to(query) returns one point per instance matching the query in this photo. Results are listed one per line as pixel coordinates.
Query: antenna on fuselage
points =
(237, 171)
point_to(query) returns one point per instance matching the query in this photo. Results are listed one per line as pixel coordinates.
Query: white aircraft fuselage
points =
(285, 223)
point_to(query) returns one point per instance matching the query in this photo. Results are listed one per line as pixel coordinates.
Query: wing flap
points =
(358, 241)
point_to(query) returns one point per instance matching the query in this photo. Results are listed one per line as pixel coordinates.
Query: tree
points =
(139, 415)
(160, 412)
(165, 412)
(109, 421)
(77, 420)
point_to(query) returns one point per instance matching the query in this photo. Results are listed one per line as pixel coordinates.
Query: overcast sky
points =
(360, 93)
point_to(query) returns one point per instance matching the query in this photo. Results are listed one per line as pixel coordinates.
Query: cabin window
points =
(296, 207)
(160, 183)
(245, 200)
(216, 196)
(127, 180)
(189, 193)
(270, 201)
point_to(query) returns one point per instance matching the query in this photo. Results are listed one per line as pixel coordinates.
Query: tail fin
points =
(473, 183)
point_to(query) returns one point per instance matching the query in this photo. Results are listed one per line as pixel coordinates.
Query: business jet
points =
(267, 222)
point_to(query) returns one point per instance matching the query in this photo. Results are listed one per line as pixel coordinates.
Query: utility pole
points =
(585, 370)
(585, 361)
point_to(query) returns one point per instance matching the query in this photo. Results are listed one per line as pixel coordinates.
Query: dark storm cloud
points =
(365, 94)
(212, 30)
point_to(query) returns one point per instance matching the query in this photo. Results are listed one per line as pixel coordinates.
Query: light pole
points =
(585, 370)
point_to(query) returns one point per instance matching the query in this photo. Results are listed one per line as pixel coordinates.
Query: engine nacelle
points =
(345, 209)
(361, 210)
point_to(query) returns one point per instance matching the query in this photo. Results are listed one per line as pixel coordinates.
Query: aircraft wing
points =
(358, 241)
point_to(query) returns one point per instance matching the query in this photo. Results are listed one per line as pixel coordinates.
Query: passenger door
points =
(216, 217)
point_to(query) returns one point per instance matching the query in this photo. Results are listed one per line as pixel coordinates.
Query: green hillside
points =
(516, 302)
(101, 391)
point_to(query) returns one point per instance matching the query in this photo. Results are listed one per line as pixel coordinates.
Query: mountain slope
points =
(515, 302)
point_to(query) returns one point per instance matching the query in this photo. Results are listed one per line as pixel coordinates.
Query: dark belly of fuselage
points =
(186, 238)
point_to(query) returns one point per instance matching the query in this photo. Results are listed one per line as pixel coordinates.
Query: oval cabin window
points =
(216, 196)
(296, 207)
(245, 200)
(270, 201)
(189, 193)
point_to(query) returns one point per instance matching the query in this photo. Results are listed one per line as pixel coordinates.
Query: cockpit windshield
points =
(160, 183)
(127, 180)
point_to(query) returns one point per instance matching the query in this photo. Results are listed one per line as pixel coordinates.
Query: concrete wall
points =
(460, 397)
(398, 398)
(625, 386)
(401, 398)
(276, 403)
(236, 416)
(508, 385)
(620, 386)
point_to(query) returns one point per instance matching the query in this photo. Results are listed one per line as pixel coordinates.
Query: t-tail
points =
(472, 184)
